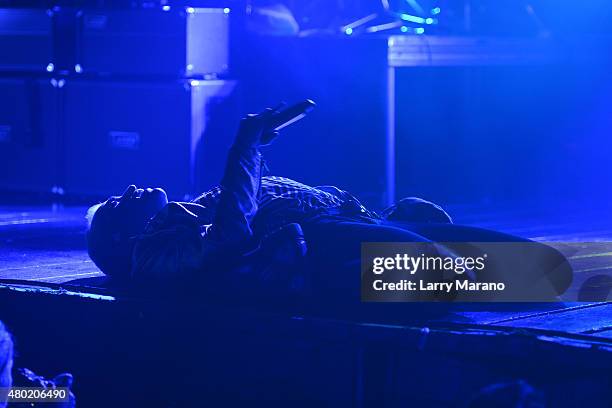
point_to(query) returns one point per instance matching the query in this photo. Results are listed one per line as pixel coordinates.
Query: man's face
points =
(116, 222)
(135, 207)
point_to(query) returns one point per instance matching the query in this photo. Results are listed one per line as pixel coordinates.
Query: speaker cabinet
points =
(180, 42)
(118, 133)
(29, 142)
(26, 41)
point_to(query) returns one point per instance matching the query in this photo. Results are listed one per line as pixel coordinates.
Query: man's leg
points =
(334, 266)
(337, 240)
(456, 233)
(558, 270)
(333, 258)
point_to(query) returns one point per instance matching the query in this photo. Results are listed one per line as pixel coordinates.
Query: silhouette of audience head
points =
(508, 395)
(113, 225)
(6, 363)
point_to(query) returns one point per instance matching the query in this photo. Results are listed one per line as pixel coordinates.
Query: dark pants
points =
(334, 245)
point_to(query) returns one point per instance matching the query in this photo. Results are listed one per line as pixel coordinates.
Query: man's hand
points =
(255, 129)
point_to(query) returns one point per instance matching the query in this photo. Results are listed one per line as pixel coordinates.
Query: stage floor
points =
(46, 244)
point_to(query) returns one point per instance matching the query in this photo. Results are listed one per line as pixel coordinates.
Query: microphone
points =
(292, 114)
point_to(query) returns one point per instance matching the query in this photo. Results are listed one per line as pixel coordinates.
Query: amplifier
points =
(29, 141)
(149, 134)
(26, 41)
(184, 42)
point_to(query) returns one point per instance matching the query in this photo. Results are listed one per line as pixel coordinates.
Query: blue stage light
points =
(435, 11)
(348, 31)
(412, 19)
(404, 29)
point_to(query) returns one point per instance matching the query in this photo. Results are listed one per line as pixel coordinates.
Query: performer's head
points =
(114, 224)
(6, 363)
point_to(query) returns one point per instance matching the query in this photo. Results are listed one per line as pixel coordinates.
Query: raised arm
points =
(175, 244)
(240, 184)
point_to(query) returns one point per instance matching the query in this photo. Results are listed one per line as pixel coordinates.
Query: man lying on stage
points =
(142, 236)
